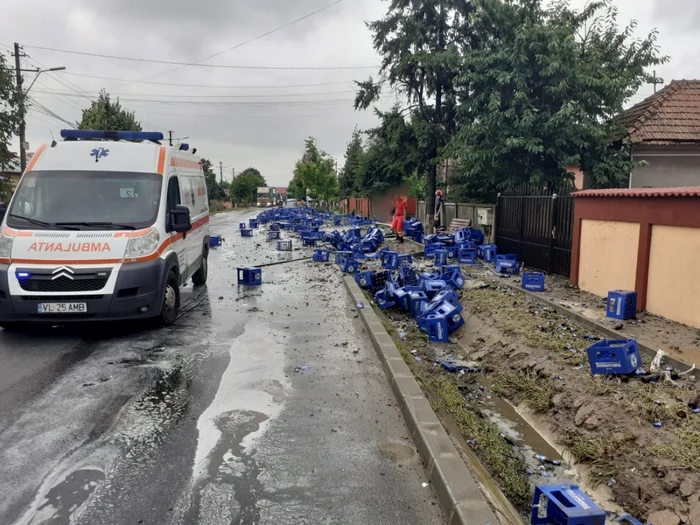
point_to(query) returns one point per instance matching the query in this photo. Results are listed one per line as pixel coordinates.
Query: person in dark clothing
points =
(3, 210)
(439, 201)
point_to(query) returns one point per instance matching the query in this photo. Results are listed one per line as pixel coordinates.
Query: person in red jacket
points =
(399, 216)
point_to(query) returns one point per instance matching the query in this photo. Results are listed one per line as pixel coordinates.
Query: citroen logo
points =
(63, 271)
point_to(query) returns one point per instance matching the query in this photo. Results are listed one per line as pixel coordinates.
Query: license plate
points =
(62, 308)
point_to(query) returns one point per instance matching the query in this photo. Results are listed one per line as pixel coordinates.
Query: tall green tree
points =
(421, 43)
(9, 110)
(244, 187)
(315, 174)
(214, 189)
(545, 85)
(350, 173)
(108, 115)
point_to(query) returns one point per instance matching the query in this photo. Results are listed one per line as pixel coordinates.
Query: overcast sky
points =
(261, 117)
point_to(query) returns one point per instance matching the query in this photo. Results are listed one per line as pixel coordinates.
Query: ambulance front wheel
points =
(171, 301)
(200, 276)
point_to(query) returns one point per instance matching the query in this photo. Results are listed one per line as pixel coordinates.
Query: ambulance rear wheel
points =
(171, 301)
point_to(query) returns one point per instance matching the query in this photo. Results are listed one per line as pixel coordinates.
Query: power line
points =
(160, 95)
(175, 63)
(213, 86)
(268, 33)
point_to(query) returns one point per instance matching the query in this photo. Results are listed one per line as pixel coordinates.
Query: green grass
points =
(536, 391)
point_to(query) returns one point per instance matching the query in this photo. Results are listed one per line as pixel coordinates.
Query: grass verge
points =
(536, 391)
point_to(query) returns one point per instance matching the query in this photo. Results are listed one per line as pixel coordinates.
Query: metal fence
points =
(538, 229)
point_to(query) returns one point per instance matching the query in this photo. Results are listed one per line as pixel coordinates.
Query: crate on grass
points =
(533, 281)
(564, 505)
(614, 356)
(621, 304)
(249, 276)
(364, 279)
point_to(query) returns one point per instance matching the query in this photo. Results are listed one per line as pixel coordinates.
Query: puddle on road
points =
(64, 501)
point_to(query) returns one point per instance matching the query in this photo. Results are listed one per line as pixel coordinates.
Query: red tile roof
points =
(671, 116)
(690, 191)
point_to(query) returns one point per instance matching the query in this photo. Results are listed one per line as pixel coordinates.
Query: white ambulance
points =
(103, 225)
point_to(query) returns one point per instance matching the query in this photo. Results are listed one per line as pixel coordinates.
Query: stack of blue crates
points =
(432, 301)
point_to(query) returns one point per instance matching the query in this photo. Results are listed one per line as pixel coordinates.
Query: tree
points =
(214, 189)
(350, 173)
(545, 85)
(103, 114)
(9, 110)
(314, 174)
(244, 188)
(421, 42)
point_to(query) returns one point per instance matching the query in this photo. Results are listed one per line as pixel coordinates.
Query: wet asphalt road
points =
(207, 422)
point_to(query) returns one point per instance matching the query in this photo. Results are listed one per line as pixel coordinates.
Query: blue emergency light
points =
(23, 275)
(86, 134)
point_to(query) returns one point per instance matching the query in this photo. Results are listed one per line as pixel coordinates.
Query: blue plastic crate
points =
(390, 260)
(408, 276)
(416, 302)
(447, 296)
(321, 255)
(405, 260)
(436, 328)
(309, 242)
(440, 257)
(451, 313)
(350, 265)
(488, 252)
(215, 240)
(275, 227)
(430, 249)
(242, 226)
(508, 266)
(364, 279)
(614, 356)
(341, 255)
(564, 505)
(452, 251)
(246, 233)
(533, 281)
(249, 276)
(273, 235)
(432, 288)
(467, 256)
(253, 223)
(284, 246)
(621, 304)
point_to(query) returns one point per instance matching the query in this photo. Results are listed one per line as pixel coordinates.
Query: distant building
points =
(664, 131)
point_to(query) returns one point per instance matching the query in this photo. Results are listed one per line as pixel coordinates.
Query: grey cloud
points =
(677, 15)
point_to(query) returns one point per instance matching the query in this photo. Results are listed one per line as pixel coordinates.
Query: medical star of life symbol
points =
(98, 153)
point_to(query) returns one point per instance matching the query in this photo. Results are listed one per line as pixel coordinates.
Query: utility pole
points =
(20, 98)
(221, 172)
(233, 174)
(170, 137)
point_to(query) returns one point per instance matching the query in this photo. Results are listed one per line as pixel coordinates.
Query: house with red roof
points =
(664, 131)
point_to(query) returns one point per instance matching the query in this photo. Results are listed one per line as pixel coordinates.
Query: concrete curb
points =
(457, 491)
(607, 332)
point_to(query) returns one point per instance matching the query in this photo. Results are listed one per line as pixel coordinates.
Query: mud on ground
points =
(607, 423)
(534, 356)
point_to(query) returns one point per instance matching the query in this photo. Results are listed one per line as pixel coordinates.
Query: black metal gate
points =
(538, 229)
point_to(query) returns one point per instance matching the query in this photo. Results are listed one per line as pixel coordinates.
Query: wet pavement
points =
(208, 422)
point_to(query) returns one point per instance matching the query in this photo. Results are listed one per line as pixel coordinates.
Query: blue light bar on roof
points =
(86, 134)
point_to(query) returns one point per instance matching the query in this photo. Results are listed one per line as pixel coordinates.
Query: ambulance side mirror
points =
(180, 219)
